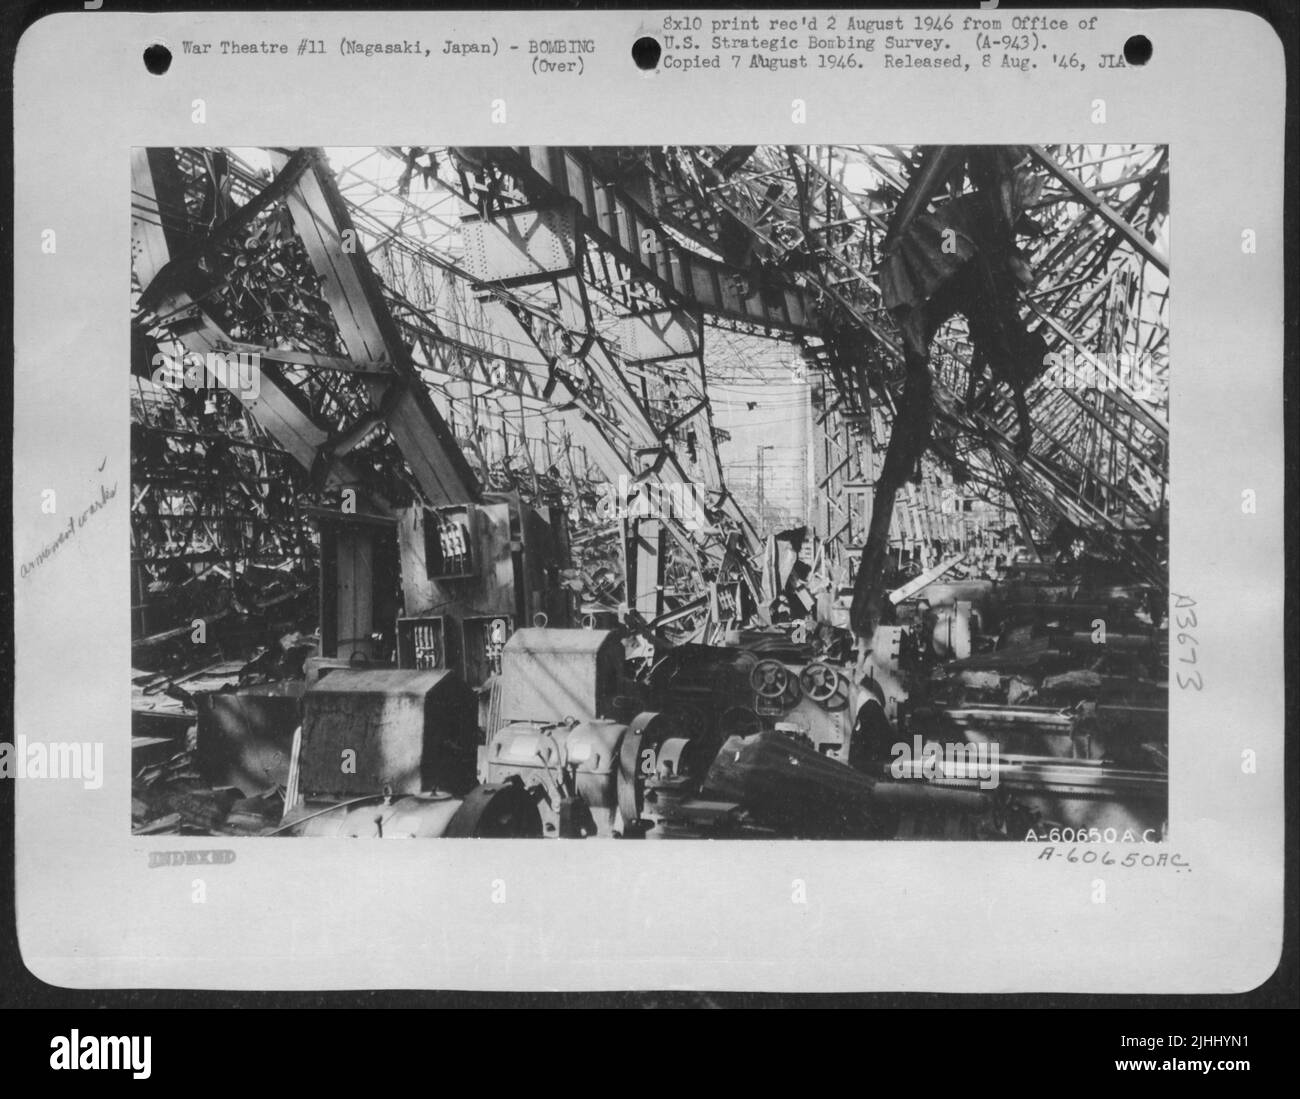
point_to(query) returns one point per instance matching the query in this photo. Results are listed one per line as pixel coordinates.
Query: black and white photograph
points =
(651, 492)
(851, 442)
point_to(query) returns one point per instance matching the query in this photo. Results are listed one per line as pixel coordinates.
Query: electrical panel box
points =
(472, 647)
(483, 643)
(451, 540)
(424, 644)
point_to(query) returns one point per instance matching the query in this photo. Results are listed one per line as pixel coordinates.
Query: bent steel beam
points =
(370, 334)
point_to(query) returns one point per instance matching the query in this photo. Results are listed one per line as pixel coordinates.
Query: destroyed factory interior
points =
(784, 492)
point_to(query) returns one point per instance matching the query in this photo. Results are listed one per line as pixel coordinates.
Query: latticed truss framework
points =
(1093, 244)
(438, 322)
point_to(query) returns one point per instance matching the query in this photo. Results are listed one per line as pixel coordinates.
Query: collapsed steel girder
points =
(618, 430)
(784, 198)
(782, 241)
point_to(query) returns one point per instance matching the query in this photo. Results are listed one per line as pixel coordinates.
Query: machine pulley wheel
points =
(739, 721)
(644, 734)
(497, 810)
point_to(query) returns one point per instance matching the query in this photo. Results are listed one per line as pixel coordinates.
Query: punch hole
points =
(646, 52)
(1137, 50)
(157, 58)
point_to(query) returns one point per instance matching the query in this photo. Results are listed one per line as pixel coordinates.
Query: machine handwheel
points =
(770, 679)
(823, 684)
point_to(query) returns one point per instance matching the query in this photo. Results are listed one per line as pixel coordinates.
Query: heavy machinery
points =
(765, 736)
(701, 746)
(391, 754)
(568, 724)
(1057, 682)
(765, 682)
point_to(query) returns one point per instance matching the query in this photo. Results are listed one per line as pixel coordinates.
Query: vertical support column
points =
(820, 505)
(354, 618)
(645, 573)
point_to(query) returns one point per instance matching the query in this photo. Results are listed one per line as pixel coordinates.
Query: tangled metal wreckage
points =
(432, 525)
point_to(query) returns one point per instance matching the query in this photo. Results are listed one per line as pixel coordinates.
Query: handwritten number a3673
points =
(1185, 619)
